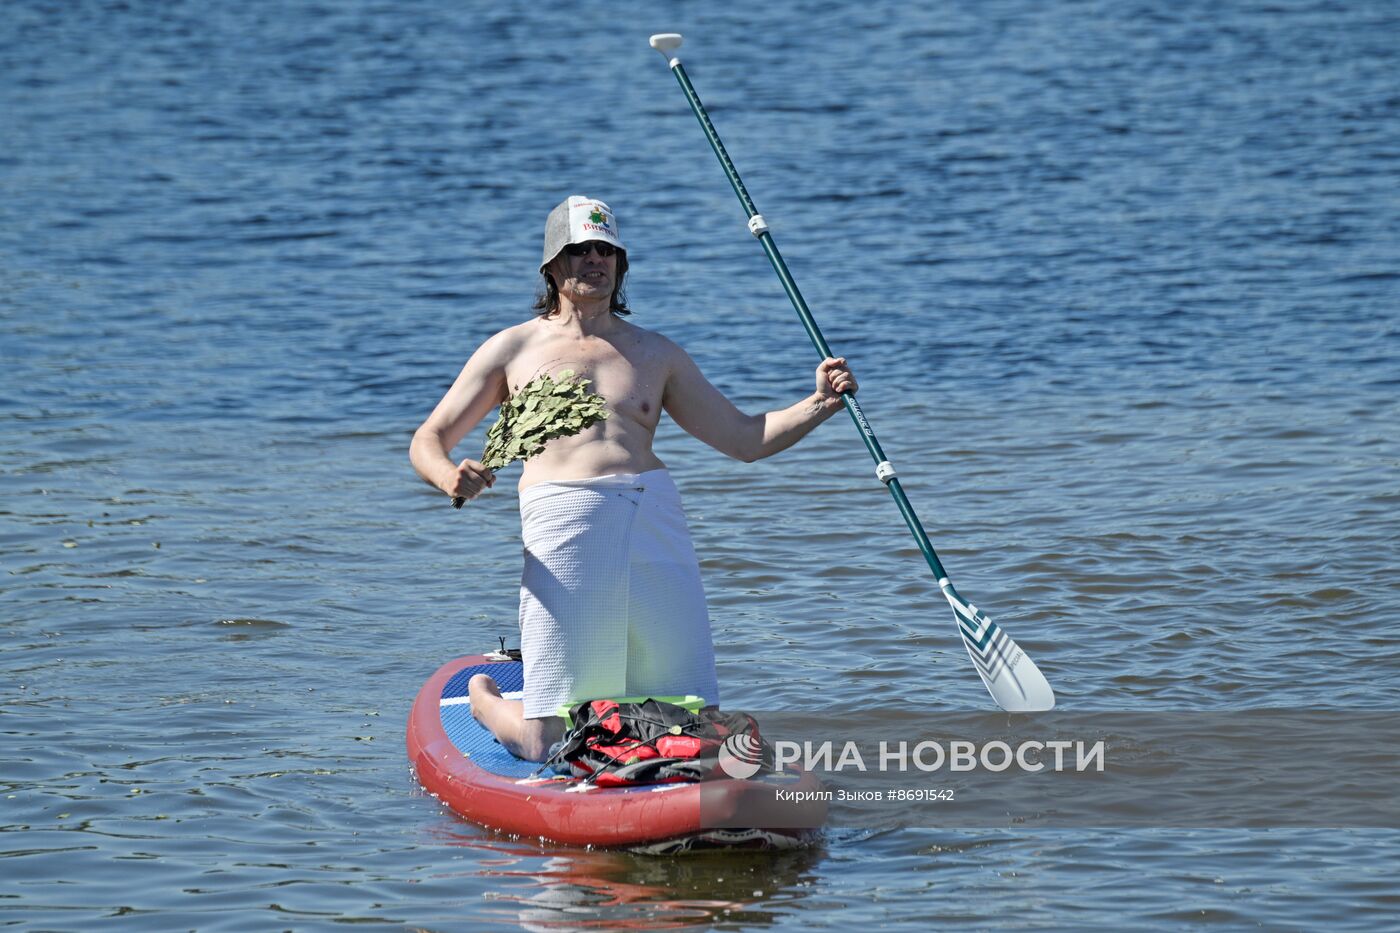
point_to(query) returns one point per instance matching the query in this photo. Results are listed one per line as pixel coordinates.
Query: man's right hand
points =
(468, 480)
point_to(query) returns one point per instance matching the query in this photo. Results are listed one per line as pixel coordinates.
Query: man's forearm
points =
(428, 457)
(782, 429)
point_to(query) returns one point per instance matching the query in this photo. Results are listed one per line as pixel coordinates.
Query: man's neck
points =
(584, 318)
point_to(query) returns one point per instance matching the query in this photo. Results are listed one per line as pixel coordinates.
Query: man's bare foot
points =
(479, 689)
(526, 738)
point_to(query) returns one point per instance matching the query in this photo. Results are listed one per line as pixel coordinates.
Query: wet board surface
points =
(461, 763)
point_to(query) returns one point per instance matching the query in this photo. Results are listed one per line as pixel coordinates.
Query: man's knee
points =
(538, 735)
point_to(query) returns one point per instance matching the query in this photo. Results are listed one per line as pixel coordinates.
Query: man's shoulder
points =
(653, 341)
(517, 332)
(509, 341)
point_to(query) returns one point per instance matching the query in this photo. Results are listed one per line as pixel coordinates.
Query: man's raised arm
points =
(704, 411)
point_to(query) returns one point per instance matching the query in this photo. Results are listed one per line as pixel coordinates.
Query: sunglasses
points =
(582, 249)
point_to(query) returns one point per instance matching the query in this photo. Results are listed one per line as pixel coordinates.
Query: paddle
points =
(1011, 677)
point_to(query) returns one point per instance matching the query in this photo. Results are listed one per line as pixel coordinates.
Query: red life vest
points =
(618, 744)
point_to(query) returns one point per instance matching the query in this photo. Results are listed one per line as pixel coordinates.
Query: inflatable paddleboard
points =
(462, 764)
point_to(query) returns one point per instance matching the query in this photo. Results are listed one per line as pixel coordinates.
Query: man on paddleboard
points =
(611, 602)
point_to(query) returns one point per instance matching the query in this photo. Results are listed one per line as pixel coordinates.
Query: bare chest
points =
(629, 372)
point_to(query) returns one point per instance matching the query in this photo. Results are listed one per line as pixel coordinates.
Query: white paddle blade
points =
(1011, 677)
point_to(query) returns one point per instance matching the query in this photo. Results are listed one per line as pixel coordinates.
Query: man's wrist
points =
(447, 479)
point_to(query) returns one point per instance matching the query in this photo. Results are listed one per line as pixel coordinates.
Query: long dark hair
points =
(547, 301)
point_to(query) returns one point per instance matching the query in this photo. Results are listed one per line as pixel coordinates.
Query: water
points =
(1119, 281)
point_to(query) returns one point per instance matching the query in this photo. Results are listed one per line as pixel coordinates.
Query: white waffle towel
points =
(611, 602)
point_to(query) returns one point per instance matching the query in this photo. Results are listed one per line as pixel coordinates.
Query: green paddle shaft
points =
(760, 230)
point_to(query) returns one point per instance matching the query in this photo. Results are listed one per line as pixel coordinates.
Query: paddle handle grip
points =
(666, 43)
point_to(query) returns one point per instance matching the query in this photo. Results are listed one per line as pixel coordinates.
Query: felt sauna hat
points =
(577, 220)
